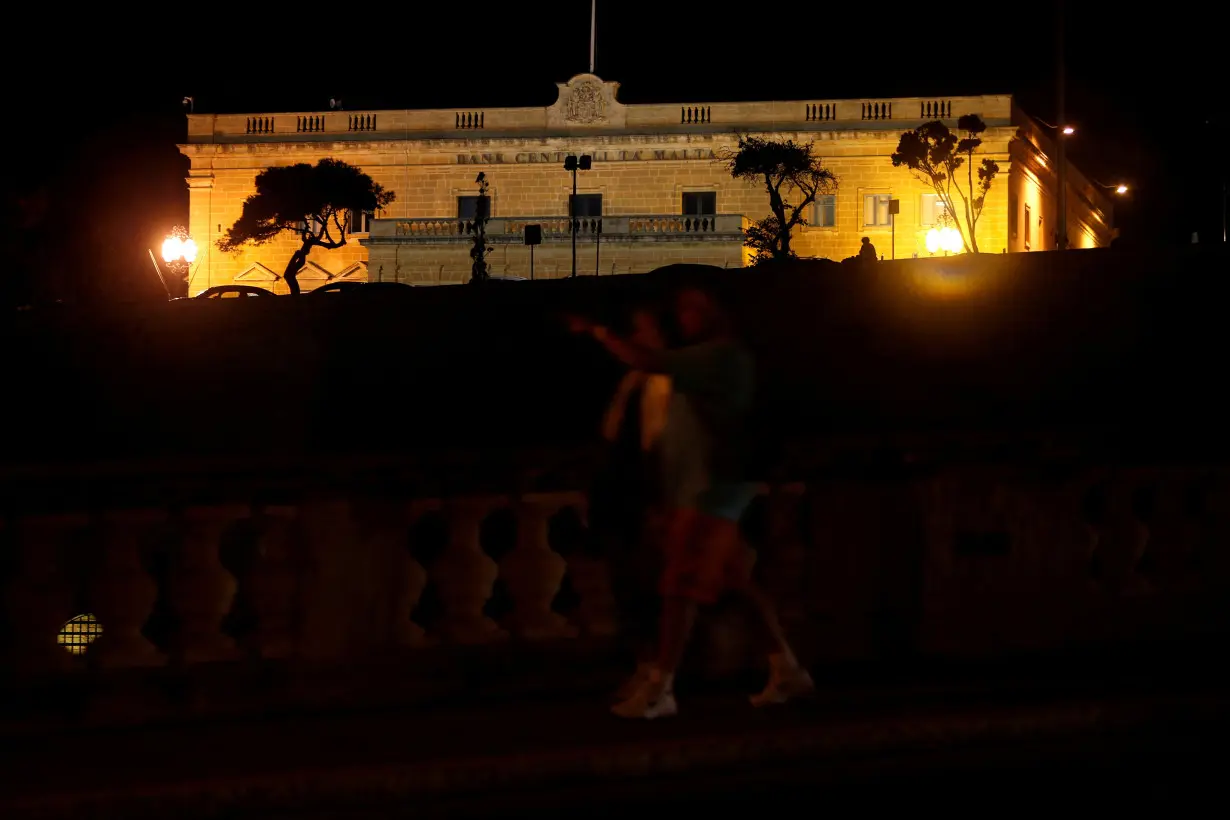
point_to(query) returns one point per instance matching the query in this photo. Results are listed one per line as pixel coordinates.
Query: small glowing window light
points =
(78, 633)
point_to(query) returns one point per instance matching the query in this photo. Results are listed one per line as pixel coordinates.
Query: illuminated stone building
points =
(656, 183)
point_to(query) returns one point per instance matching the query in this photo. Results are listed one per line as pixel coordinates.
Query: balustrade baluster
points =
(410, 580)
(40, 599)
(465, 574)
(597, 610)
(787, 551)
(123, 593)
(202, 590)
(273, 584)
(1122, 538)
(394, 579)
(1175, 534)
(533, 571)
(333, 586)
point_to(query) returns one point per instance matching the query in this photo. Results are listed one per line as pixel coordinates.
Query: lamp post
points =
(1061, 170)
(179, 252)
(482, 212)
(1061, 149)
(1118, 189)
(574, 164)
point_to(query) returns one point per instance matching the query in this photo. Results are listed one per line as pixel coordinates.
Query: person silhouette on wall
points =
(867, 253)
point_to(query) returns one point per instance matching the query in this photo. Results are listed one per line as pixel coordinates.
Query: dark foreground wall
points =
(1090, 341)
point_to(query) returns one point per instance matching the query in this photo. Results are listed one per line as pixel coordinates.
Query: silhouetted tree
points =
(789, 171)
(314, 201)
(935, 155)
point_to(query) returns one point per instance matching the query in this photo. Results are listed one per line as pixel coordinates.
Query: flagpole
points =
(593, 29)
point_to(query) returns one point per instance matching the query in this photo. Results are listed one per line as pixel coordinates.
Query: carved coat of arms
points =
(586, 103)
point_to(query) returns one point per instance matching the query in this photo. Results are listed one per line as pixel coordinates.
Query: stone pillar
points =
(203, 228)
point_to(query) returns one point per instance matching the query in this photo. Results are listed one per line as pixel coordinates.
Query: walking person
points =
(625, 499)
(706, 488)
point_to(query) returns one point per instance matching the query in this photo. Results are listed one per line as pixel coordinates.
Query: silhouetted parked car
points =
(366, 287)
(232, 292)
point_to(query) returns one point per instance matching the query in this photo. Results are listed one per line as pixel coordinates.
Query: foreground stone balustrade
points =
(941, 561)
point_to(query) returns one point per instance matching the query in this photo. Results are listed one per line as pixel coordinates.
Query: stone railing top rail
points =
(611, 225)
(587, 103)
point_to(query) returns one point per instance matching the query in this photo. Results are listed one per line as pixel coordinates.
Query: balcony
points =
(436, 251)
(511, 230)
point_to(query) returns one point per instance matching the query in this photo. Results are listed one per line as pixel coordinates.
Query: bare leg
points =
(766, 614)
(655, 697)
(678, 613)
(678, 618)
(786, 679)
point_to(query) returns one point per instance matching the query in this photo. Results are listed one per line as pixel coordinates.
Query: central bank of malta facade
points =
(657, 188)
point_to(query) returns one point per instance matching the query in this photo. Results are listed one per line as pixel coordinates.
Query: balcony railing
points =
(556, 228)
(870, 113)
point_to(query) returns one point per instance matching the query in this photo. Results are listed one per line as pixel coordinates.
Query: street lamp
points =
(1119, 188)
(944, 239)
(179, 252)
(1067, 130)
(1061, 165)
(574, 164)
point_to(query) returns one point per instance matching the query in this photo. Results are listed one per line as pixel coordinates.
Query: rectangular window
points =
(875, 210)
(361, 221)
(826, 211)
(467, 208)
(586, 205)
(700, 203)
(1014, 218)
(931, 210)
(1029, 224)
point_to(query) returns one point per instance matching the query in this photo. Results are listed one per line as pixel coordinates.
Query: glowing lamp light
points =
(174, 249)
(1122, 189)
(944, 239)
(1069, 130)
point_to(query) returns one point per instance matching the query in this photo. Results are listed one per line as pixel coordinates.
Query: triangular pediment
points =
(355, 273)
(256, 272)
(311, 272)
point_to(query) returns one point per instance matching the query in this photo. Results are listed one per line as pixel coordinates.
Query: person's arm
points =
(631, 354)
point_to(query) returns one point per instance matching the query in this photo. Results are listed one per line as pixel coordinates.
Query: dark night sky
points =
(1148, 96)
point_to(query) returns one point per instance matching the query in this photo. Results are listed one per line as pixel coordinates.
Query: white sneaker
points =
(654, 699)
(786, 681)
(633, 684)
